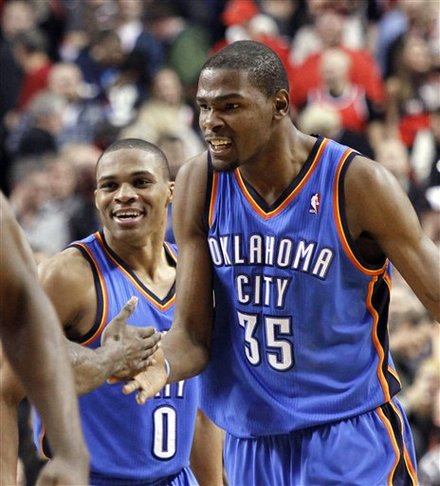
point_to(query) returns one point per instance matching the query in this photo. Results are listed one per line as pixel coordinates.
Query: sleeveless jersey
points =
(300, 329)
(128, 441)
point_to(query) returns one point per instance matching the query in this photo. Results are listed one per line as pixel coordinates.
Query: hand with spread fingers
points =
(147, 383)
(134, 345)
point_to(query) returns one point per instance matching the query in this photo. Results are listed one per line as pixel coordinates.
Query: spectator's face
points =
(17, 18)
(417, 55)
(167, 87)
(65, 80)
(132, 196)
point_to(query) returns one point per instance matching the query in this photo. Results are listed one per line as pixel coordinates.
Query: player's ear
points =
(281, 104)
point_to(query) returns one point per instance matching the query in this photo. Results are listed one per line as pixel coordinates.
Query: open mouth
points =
(219, 146)
(127, 216)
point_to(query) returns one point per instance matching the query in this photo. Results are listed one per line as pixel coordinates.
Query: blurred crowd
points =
(78, 74)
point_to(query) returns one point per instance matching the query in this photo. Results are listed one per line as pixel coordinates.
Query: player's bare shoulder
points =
(67, 268)
(190, 192)
(194, 170)
(68, 280)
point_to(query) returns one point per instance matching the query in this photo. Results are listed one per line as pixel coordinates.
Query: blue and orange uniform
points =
(303, 328)
(129, 444)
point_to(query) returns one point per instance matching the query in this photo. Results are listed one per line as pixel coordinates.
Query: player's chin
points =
(223, 165)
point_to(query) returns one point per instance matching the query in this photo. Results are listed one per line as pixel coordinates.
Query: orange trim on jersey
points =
(213, 197)
(154, 301)
(409, 464)
(41, 437)
(390, 431)
(104, 295)
(171, 251)
(270, 214)
(376, 342)
(393, 372)
(339, 226)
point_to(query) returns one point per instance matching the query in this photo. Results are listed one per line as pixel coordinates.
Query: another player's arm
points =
(11, 393)
(34, 345)
(377, 205)
(207, 452)
(74, 298)
(187, 344)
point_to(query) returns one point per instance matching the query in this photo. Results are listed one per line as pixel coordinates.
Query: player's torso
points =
(126, 440)
(291, 301)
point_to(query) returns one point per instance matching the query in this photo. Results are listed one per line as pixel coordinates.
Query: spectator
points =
(44, 123)
(329, 27)
(393, 155)
(31, 52)
(166, 112)
(358, 112)
(82, 116)
(326, 121)
(413, 91)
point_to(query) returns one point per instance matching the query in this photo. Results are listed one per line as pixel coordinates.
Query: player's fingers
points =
(127, 310)
(142, 397)
(130, 387)
(146, 332)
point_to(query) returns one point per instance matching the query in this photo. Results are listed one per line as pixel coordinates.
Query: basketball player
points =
(33, 343)
(129, 444)
(295, 235)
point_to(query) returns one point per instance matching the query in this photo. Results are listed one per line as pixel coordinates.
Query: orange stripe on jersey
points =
(408, 462)
(213, 197)
(41, 437)
(153, 300)
(394, 373)
(277, 210)
(339, 226)
(171, 251)
(104, 294)
(376, 342)
(390, 431)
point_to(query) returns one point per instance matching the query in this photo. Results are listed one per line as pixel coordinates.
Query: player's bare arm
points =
(187, 344)
(34, 346)
(382, 220)
(206, 452)
(125, 350)
(11, 393)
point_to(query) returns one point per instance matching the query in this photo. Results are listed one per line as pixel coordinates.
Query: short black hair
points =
(265, 69)
(139, 144)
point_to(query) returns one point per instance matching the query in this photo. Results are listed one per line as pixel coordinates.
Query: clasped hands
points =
(138, 359)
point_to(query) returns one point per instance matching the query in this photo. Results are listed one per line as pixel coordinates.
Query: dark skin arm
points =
(187, 344)
(377, 206)
(125, 350)
(381, 221)
(34, 345)
(207, 452)
(11, 392)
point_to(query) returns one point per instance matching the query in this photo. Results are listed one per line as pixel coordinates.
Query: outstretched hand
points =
(134, 345)
(150, 381)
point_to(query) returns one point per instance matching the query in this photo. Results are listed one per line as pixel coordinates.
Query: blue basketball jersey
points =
(128, 441)
(300, 331)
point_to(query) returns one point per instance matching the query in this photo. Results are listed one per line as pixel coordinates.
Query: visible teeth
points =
(127, 214)
(217, 143)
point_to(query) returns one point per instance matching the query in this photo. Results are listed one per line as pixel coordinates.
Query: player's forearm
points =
(36, 348)
(8, 442)
(91, 368)
(186, 357)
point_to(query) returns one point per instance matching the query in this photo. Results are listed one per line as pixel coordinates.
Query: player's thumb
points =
(126, 311)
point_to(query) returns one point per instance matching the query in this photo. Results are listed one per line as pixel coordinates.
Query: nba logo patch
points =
(315, 201)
